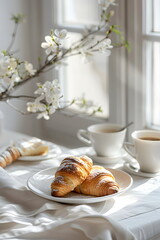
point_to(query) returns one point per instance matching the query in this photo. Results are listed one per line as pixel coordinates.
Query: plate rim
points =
(77, 201)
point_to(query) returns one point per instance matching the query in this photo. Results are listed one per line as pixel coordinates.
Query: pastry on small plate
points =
(29, 147)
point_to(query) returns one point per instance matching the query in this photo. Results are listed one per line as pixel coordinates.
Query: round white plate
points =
(54, 150)
(40, 184)
(109, 160)
(136, 171)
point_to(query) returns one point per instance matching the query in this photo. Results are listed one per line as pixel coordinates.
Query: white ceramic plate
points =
(54, 150)
(109, 160)
(40, 183)
(136, 171)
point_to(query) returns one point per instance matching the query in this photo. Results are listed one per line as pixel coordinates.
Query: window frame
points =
(136, 87)
(149, 37)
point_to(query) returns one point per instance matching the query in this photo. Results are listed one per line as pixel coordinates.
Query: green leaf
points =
(100, 109)
(17, 18)
(127, 45)
(116, 31)
(4, 52)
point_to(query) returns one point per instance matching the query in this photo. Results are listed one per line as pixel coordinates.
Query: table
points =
(24, 215)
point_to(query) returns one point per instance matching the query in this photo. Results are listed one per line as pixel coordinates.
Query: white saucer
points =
(136, 171)
(109, 160)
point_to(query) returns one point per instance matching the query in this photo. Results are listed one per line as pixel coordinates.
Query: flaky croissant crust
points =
(100, 182)
(30, 147)
(8, 156)
(71, 172)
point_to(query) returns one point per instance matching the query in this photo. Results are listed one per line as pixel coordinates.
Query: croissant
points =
(71, 172)
(8, 156)
(99, 183)
(31, 147)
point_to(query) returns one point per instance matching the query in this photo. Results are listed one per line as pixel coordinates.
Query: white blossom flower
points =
(60, 33)
(29, 68)
(15, 77)
(25, 70)
(8, 72)
(48, 100)
(106, 3)
(12, 64)
(40, 98)
(31, 107)
(50, 45)
(22, 70)
(43, 115)
(51, 110)
(105, 46)
(5, 62)
(40, 89)
(36, 106)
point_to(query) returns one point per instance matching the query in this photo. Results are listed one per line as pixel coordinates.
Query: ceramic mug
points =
(145, 149)
(105, 138)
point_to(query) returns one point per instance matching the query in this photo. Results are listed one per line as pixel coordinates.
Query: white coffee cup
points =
(146, 148)
(105, 138)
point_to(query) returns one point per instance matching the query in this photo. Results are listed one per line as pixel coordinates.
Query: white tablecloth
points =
(24, 215)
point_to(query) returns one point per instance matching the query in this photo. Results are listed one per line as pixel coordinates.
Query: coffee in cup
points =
(105, 138)
(146, 148)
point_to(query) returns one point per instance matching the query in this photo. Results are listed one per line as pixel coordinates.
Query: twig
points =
(20, 96)
(13, 37)
(8, 97)
(15, 108)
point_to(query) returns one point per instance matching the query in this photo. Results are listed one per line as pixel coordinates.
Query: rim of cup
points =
(101, 126)
(145, 133)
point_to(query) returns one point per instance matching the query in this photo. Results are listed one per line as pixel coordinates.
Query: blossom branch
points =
(14, 73)
(17, 19)
(13, 37)
(17, 109)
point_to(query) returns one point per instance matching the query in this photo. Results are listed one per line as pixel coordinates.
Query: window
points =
(152, 55)
(102, 80)
(80, 78)
(130, 78)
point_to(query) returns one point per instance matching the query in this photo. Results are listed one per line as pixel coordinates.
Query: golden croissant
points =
(71, 172)
(8, 156)
(100, 182)
(30, 147)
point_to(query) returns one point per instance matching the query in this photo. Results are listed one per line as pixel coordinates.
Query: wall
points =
(26, 48)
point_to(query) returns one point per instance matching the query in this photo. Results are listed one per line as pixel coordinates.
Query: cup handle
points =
(83, 136)
(127, 145)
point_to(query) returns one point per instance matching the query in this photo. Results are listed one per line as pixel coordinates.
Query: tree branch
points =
(13, 37)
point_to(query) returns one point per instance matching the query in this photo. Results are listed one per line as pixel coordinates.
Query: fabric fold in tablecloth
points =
(24, 215)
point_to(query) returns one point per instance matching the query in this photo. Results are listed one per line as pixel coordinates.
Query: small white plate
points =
(109, 160)
(136, 171)
(40, 184)
(54, 150)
